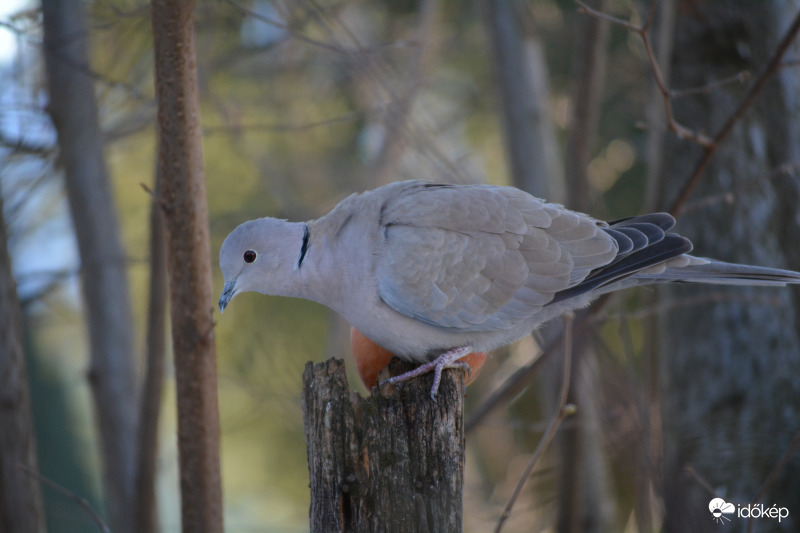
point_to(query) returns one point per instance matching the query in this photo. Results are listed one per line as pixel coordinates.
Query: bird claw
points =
(449, 359)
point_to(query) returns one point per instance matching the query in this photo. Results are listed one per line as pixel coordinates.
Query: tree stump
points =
(390, 462)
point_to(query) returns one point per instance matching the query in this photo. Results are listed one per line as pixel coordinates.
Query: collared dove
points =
(432, 272)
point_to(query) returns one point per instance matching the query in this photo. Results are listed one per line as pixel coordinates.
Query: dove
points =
(433, 272)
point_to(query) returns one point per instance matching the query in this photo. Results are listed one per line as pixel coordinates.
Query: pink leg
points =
(449, 359)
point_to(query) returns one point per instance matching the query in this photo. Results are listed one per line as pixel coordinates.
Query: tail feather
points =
(722, 273)
(647, 254)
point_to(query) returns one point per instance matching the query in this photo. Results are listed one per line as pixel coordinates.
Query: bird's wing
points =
(478, 258)
(644, 246)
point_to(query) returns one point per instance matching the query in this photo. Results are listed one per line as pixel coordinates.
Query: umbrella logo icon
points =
(719, 508)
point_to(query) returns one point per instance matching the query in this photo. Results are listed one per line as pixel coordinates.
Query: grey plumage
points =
(423, 268)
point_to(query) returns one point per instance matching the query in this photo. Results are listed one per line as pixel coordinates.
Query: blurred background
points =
(682, 395)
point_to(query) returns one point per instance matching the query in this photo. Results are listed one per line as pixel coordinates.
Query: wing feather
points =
(480, 257)
(652, 249)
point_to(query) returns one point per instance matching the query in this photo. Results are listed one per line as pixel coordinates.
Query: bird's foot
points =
(449, 359)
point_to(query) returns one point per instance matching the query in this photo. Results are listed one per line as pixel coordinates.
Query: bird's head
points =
(255, 256)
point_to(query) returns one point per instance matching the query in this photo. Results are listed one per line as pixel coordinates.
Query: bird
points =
(432, 272)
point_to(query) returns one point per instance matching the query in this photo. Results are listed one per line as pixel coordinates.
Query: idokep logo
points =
(719, 508)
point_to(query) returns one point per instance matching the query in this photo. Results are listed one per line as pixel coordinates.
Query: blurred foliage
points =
(298, 100)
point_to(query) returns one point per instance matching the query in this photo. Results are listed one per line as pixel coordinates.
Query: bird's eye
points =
(249, 256)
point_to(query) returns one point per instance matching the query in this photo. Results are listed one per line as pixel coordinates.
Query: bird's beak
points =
(228, 292)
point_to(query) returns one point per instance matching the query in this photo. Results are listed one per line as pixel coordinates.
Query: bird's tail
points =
(701, 270)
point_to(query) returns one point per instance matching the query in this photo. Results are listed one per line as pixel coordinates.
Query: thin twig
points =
(739, 77)
(710, 144)
(774, 474)
(164, 206)
(286, 27)
(285, 127)
(83, 502)
(772, 67)
(790, 169)
(586, 10)
(512, 386)
(643, 32)
(703, 483)
(377, 72)
(564, 410)
(651, 15)
(21, 145)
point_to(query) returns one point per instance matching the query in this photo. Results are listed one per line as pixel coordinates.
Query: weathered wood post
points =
(391, 462)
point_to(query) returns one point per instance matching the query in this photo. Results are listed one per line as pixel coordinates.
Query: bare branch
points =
(83, 502)
(710, 144)
(24, 146)
(285, 127)
(790, 169)
(702, 481)
(643, 32)
(564, 410)
(774, 474)
(520, 379)
(407, 130)
(771, 68)
(739, 77)
(586, 10)
(278, 24)
(651, 15)
(162, 205)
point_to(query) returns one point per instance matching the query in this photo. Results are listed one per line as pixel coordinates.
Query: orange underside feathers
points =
(371, 359)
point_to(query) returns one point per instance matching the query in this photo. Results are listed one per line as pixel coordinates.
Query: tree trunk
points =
(584, 495)
(730, 391)
(146, 508)
(391, 462)
(21, 508)
(112, 373)
(585, 501)
(524, 98)
(183, 200)
(587, 90)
